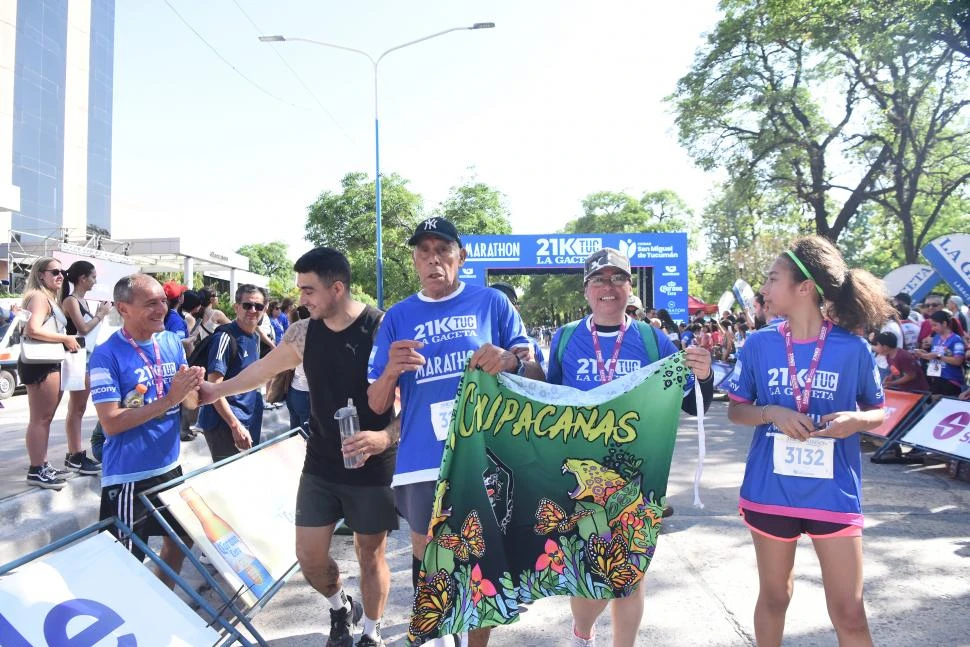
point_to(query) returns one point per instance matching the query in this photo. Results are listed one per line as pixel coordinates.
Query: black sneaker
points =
(343, 623)
(367, 641)
(45, 477)
(57, 472)
(668, 511)
(82, 464)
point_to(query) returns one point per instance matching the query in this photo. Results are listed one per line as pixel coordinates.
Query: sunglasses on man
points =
(250, 306)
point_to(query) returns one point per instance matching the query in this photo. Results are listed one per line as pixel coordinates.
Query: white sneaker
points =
(582, 642)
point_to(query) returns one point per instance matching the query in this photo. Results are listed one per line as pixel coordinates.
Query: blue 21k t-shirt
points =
(452, 329)
(115, 369)
(846, 379)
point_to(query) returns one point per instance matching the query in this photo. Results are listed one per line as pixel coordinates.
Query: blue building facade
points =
(61, 139)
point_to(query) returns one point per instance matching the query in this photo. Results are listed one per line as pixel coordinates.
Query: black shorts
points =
(122, 501)
(415, 502)
(785, 528)
(220, 442)
(366, 509)
(36, 373)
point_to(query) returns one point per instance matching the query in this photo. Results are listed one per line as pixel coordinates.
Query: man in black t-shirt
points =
(334, 345)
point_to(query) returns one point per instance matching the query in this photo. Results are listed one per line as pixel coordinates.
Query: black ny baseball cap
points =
(440, 227)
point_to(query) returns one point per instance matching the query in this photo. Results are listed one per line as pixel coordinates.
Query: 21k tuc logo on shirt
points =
(827, 381)
(446, 328)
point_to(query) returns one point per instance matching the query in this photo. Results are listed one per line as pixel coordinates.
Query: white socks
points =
(339, 600)
(372, 628)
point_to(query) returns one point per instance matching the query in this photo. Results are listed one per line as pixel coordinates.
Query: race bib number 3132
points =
(812, 458)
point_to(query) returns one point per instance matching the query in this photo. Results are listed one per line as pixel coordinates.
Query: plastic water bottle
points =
(349, 423)
(135, 398)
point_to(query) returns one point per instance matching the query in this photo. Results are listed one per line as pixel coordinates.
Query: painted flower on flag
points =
(552, 557)
(480, 586)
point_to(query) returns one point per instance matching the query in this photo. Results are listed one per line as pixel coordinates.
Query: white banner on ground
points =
(94, 592)
(242, 515)
(944, 428)
(950, 256)
(915, 280)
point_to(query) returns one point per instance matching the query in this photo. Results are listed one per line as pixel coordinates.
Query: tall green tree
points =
(834, 104)
(346, 220)
(271, 260)
(476, 208)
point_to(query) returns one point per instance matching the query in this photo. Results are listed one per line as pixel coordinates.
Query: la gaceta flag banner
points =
(546, 490)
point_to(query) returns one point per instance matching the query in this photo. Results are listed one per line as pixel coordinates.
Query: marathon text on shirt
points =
(440, 367)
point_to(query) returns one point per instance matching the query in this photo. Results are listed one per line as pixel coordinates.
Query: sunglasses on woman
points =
(56, 272)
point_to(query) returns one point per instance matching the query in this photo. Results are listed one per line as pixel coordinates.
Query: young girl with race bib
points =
(808, 385)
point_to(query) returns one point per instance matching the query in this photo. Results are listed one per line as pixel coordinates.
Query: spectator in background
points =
(287, 309)
(234, 423)
(945, 355)
(904, 299)
(210, 317)
(42, 297)
(298, 397)
(275, 313)
(83, 276)
(933, 304)
(537, 354)
(634, 308)
(267, 339)
(905, 371)
(669, 327)
(909, 327)
(174, 321)
(686, 336)
(954, 304)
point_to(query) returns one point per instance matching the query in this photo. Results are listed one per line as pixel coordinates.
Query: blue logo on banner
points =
(665, 253)
(105, 619)
(950, 257)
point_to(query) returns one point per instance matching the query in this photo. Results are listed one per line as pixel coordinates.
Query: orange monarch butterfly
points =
(432, 602)
(610, 561)
(549, 517)
(471, 541)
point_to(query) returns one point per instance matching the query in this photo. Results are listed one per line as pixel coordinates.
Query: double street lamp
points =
(377, 131)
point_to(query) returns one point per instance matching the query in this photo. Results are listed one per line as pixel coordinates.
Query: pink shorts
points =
(784, 528)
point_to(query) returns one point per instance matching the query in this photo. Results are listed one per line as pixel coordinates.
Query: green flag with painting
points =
(546, 490)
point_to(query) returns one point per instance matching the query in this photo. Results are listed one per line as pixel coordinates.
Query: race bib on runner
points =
(812, 458)
(441, 418)
(934, 368)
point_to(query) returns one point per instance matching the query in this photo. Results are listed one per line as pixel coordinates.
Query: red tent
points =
(695, 305)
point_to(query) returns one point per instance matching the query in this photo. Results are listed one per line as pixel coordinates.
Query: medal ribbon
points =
(600, 365)
(802, 397)
(155, 368)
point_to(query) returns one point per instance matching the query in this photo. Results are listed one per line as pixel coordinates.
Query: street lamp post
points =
(377, 129)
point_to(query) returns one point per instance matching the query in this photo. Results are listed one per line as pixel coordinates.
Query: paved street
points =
(702, 584)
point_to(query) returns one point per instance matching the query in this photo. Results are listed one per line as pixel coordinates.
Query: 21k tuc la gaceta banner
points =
(546, 490)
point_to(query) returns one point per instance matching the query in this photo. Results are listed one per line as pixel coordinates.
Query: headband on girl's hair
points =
(808, 275)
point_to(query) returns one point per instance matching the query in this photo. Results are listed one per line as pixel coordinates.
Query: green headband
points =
(808, 275)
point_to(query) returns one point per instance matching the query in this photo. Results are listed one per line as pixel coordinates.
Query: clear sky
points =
(561, 99)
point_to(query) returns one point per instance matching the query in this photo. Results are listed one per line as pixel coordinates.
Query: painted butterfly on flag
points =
(549, 517)
(432, 602)
(471, 541)
(611, 561)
